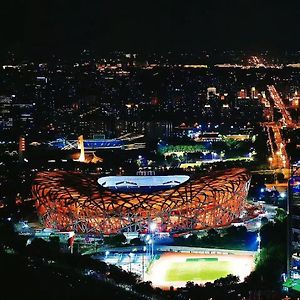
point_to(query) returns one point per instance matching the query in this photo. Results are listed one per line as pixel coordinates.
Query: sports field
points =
(175, 269)
(197, 270)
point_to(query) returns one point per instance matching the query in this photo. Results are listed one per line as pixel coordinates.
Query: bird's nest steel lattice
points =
(74, 201)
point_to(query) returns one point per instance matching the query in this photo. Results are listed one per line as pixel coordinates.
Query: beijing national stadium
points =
(112, 204)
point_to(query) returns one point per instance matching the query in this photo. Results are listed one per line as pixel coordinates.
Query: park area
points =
(175, 269)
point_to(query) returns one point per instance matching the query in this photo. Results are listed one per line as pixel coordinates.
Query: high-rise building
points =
(293, 208)
(158, 130)
(254, 93)
(295, 100)
(211, 92)
(22, 147)
(242, 94)
(6, 115)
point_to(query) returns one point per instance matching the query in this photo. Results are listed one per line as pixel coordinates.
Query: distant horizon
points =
(48, 54)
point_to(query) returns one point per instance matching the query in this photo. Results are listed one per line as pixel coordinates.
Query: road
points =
(286, 117)
(279, 157)
(258, 62)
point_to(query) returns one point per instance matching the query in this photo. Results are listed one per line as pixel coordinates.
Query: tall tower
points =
(21, 147)
(81, 147)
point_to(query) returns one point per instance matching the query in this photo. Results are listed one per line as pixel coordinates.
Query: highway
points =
(279, 157)
(286, 117)
(258, 62)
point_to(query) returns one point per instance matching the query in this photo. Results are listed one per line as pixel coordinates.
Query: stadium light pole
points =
(131, 255)
(143, 263)
(258, 239)
(152, 228)
(148, 238)
(151, 242)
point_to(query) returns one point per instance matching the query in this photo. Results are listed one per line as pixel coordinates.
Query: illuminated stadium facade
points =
(73, 201)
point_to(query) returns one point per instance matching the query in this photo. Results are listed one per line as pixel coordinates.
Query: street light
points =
(282, 194)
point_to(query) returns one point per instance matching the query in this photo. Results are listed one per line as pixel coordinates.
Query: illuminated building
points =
(242, 94)
(295, 100)
(73, 201)
(6, 118)
(211, 92)
(154, 101)
(254, 93)
(293, 262)
(22, 146)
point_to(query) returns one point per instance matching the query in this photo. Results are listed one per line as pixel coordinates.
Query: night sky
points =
(63, 25)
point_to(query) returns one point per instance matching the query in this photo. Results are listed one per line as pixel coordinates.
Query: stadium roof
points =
(142, 184)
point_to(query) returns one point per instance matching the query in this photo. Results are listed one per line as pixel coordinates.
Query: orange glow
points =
(73, 201)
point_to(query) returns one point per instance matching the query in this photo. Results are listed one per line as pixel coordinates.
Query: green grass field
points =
(198, 269)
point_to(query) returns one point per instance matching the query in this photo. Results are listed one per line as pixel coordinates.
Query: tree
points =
(231, 231)
(192, 239)
(144, 287)
(38, 247)
(264, 221)
(280, 215)
(116, 240)
(54, 244)
(212, 233)
(270, 262)
(226, 281)
(137, 242)
(280, 177)
(122, 276)
(231, 143)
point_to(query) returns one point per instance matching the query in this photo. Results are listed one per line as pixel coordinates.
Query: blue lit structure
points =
(91, 144)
